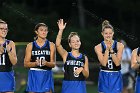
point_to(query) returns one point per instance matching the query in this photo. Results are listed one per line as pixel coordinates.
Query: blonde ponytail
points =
(106, 24)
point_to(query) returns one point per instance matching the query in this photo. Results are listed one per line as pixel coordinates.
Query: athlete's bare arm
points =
(11, 50)
(103, 58)
(27, 58)
(59, 47)
(118, 57)
(135, 59)
(52, 62)
(85, 70)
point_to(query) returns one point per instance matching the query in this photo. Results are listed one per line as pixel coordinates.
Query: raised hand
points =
(61, 24)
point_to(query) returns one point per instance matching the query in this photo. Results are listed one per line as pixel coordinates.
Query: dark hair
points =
(3, 22)
(106, 24)
(71, 35)
(38, 25)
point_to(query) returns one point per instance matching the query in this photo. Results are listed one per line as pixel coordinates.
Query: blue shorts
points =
(40, 81)
(7, 81)
(110, 82)
(74, 87)
(137, 85)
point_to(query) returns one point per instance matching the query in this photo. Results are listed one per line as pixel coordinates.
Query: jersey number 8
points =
(75, 75)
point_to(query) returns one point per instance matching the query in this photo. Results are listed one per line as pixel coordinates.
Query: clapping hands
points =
(41, 62)
(109, 45)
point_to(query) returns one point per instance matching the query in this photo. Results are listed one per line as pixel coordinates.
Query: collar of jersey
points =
(80, 56)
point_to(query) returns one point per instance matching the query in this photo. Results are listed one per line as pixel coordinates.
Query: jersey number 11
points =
(2, 59)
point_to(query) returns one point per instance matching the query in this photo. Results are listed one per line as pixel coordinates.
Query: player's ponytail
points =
(106, 24)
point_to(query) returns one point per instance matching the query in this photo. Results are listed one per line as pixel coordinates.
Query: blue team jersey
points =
(73, 83)
(5, 63)
(110, 64)
(40, 78)
(110, 78)
(41, 53)
(7, 79)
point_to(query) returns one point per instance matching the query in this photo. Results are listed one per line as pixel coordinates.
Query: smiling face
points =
(75, 42)
(3, 30)
(108, 34)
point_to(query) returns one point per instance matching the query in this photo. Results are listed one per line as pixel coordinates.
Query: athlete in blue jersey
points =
(75, 63)
(135, 64)
(109, 53)
(40, 58)
(8, 58)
